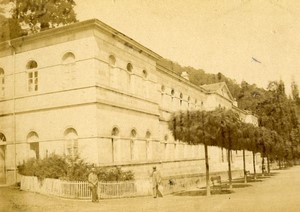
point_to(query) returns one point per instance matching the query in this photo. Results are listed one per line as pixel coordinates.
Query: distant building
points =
(88, 89)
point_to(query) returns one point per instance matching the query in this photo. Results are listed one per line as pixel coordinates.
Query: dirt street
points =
(281, 192)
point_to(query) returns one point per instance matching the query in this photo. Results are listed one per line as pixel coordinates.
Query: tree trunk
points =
(263, 166)
(244, 166)
(207, 171)
(279, 164)
(229, 169)
(113, 150)
(254, 170)
(268, 164)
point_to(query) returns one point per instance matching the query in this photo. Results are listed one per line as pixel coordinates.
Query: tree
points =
(37, 15)
(197, 127)
(9, 28)
(295, 92)
(247, 136)
(211, 128)
(229, 134)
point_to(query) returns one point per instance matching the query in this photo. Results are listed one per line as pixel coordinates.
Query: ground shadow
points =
(238, 185)
(249, 180)
(202, 192)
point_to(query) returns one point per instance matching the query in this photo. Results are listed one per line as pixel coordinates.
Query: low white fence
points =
(77, 189)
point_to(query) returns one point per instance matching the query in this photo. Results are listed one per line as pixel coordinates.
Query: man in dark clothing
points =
(93, 185)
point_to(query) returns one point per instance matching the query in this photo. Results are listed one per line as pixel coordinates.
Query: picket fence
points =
(77, 189)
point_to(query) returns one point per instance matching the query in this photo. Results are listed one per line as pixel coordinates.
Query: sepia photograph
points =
(150, 105)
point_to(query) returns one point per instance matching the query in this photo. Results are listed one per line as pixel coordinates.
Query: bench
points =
(216, 180)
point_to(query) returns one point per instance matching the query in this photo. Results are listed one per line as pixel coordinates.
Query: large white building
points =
(88, 89)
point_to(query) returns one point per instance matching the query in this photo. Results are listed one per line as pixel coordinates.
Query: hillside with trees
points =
(276, 112)
(249, 96)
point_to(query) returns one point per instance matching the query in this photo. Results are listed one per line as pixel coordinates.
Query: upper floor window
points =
(181, 97)
(2, 82)
(31, 64)
(115, 131)
(166, 137)
(129, 67)
(148, 134)
(32, 75)
(172, 93)
(68, 57)
(71, 139)
(112, 60)
(69, 62)
(133, 133)
(145, 74)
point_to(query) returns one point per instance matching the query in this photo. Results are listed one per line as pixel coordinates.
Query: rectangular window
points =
(33, 81)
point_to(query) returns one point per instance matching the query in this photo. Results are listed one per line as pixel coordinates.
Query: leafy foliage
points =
(32, 16)
(39, 15)
(114, 174)
(195, 127)
(69, 168)
(54, 166)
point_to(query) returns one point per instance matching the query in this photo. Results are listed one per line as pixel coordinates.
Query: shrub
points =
(28, 168)
(77, 169)
(70, 168)
(53, 166)
(114, 174)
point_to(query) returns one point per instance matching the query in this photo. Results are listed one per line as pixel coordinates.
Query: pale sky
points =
(252, 40)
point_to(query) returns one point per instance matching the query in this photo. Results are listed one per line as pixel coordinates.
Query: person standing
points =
(156, 180)
(93, 184)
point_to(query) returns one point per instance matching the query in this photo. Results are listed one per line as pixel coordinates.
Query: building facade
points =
(88, 89)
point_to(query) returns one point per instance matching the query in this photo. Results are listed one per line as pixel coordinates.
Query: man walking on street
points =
(93, 184)
(156, 180)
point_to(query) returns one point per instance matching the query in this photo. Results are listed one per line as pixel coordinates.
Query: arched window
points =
(2, 138)
(31, 64)
(129, 67)
(181, 97)
(2, 82)
(111, 60)
(148, 134)
(145, 74)
(32, 72)
(69, 62)
(166, 137)
(68, 57)
(115, 131)
(133, 135)
(172, 93)
(71, 139)
(33, 140)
